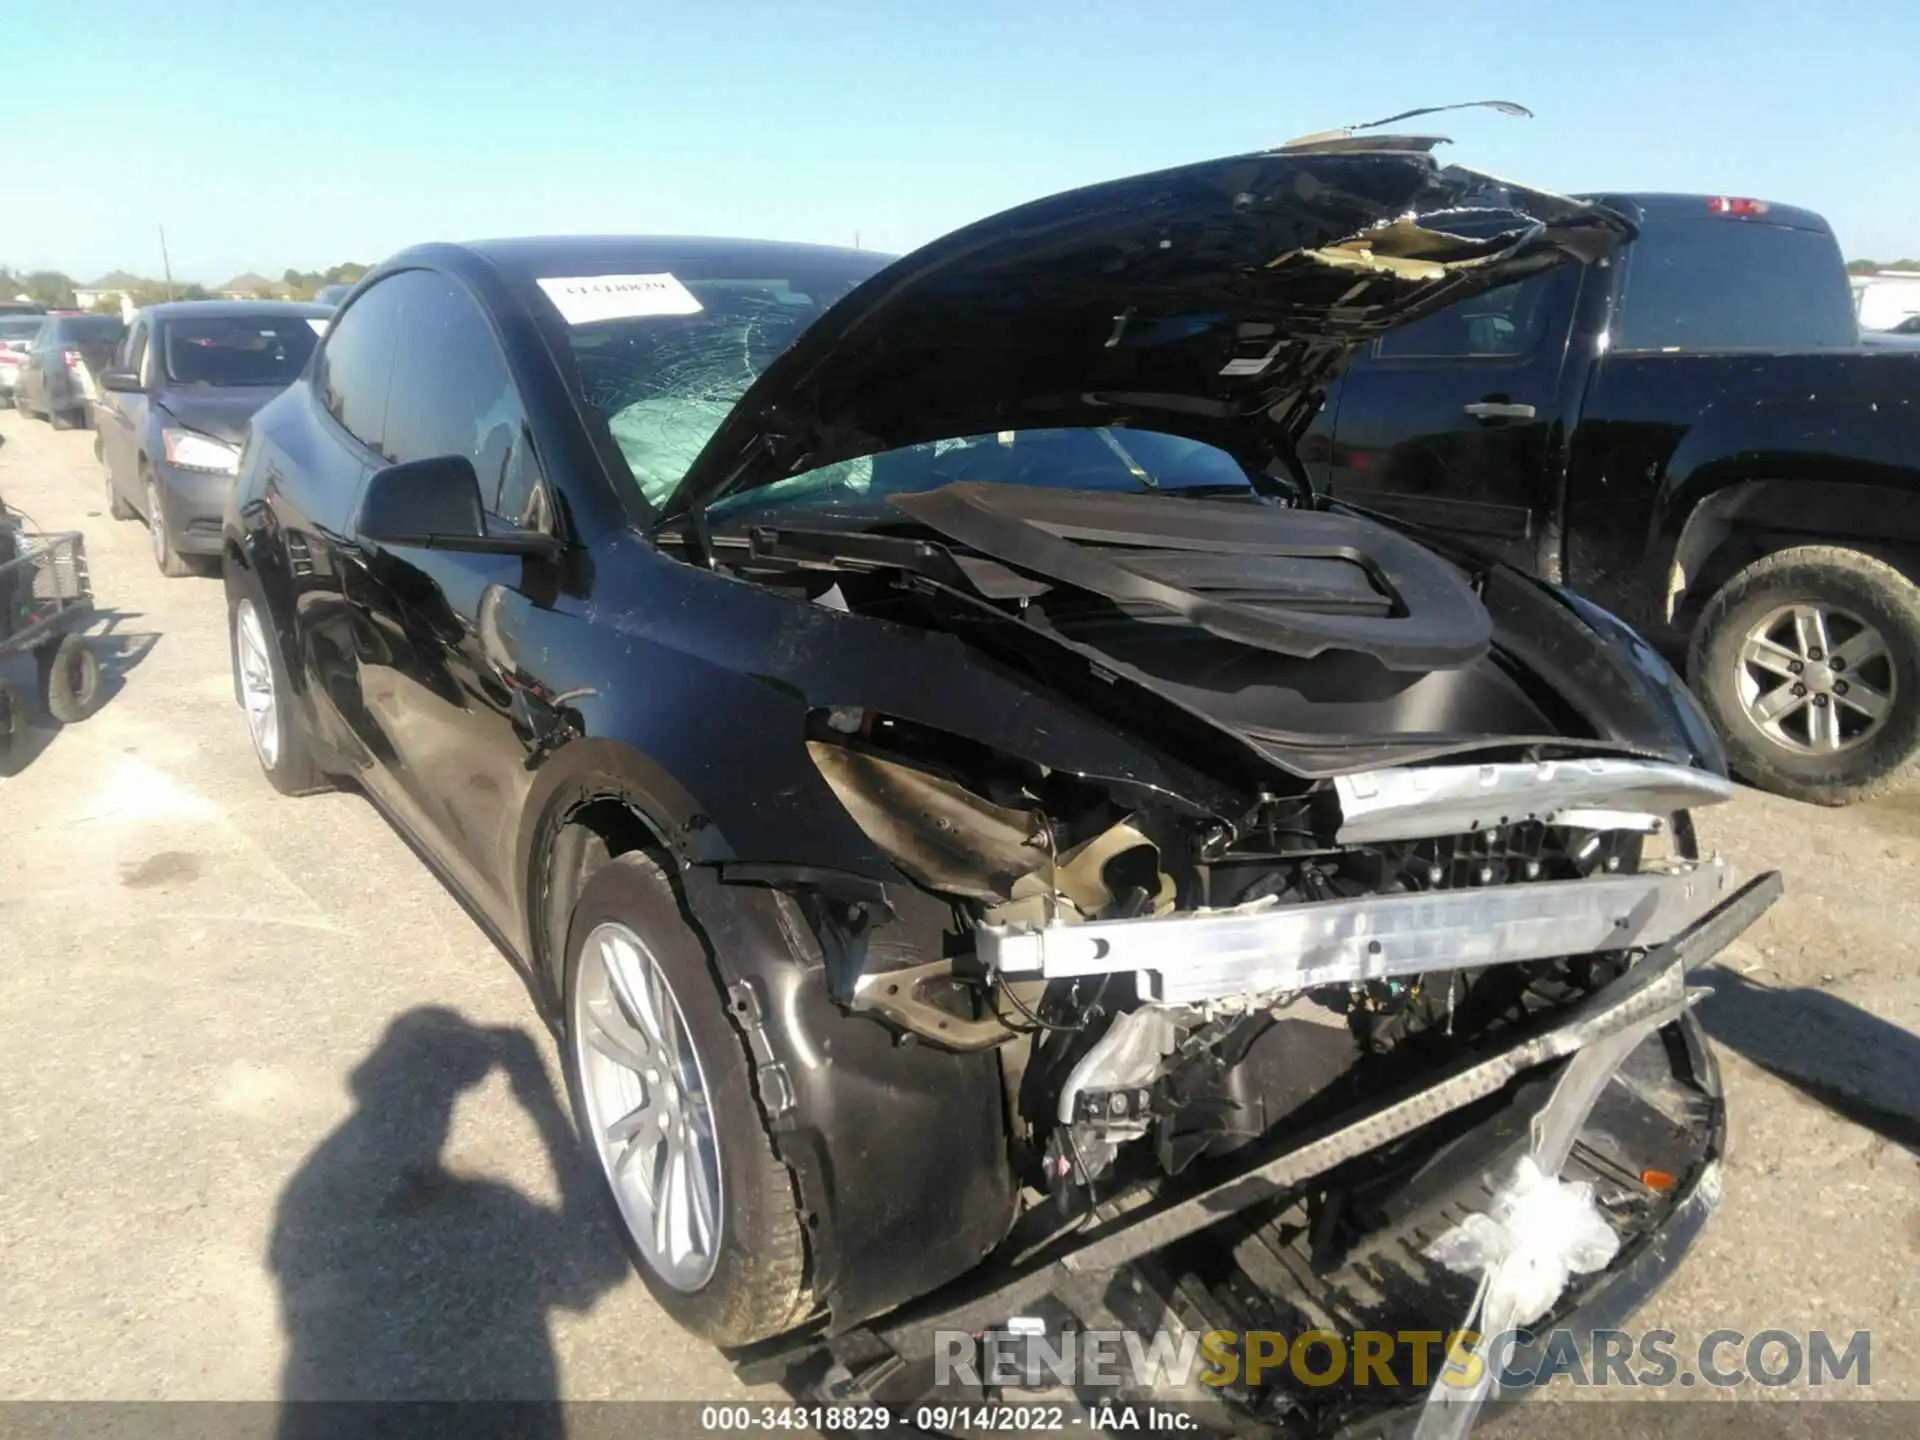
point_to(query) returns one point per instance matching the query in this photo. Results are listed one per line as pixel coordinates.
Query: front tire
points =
(711, 1220)
(171, 562)
(260, 684)
(1808, 663)
(117, 505)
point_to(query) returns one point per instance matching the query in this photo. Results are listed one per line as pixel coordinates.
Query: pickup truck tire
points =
(1794, 722)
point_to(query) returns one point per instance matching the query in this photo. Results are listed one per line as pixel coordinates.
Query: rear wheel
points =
(260, 681)
(1808, 662)
(662, 1094)
(60, 419)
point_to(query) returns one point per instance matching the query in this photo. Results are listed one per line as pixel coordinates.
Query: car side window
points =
(350, 378)
(452, 394)
(133, 351)
(1500, 324)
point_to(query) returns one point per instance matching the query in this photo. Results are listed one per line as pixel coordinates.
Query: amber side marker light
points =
(1661, 1180)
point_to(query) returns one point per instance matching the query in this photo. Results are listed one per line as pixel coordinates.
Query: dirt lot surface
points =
(242, 1036)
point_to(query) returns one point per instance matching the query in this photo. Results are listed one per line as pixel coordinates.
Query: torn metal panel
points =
(1187, 958)
(1349, 138)
(1422, 802)
(1409, 250)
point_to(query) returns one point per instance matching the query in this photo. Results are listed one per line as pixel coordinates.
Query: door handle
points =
(1499, 410)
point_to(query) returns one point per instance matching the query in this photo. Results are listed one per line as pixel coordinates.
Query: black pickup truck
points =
(1692, 435)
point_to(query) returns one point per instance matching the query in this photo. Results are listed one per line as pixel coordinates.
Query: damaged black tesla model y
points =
(977, 818)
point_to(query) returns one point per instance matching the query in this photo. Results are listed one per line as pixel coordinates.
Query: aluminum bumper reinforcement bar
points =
(1183, 959)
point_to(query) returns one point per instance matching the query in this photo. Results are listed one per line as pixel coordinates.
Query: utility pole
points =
(165, 264)
(856, 239)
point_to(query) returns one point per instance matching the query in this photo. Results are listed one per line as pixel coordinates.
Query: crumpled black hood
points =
(1214, 300)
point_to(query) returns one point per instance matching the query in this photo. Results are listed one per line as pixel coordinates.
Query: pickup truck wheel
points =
(660, 1079)
(1808, 663)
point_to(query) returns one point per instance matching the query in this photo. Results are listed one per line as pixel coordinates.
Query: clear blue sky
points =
(269, 135)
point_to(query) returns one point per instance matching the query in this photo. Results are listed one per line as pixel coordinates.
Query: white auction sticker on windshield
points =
(583, 299)
(319, 326)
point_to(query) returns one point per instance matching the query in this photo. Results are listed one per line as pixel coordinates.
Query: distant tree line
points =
(55, 289)
(304, 282)
(48, 287)
(1867, 267)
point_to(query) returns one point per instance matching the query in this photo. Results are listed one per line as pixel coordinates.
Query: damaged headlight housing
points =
(1005, 854)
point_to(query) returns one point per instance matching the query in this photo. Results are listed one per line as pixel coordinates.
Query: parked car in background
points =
(174, 409)
(58, 381)
(16, 339)
(332, 294)
(1695, 436)
(916, 729)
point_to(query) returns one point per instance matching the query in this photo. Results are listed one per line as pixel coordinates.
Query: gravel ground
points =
(275, 1118)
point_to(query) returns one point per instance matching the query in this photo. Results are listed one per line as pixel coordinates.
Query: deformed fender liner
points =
(588, 770)
(899, 1150)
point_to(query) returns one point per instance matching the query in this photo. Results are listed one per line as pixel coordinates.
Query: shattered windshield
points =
(664, 358)
(1068, 459)
(664, 380)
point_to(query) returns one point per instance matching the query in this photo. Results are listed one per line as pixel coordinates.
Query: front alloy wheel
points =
(172, 564)
(260, 685)
(663, 1095)
(256, 684)
(645, 1095)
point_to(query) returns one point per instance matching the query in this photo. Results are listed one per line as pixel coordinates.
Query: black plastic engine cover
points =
(1295, 582)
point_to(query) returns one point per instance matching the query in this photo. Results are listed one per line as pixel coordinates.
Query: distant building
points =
(115, 285)
(254, 287)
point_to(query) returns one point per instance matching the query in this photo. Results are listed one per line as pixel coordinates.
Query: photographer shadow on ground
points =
(1861, 1067)
(401, 1280)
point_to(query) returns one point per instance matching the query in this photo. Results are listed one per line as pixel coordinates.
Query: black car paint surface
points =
(517, 713)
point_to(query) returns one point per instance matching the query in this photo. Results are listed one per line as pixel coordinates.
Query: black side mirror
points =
(115, 378)
(435, 505)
